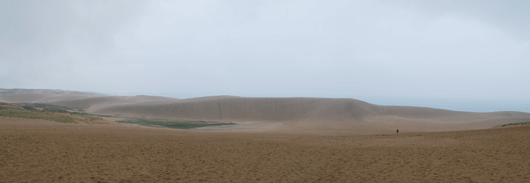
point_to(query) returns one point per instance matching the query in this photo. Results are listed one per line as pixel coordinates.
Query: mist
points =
(469, 56)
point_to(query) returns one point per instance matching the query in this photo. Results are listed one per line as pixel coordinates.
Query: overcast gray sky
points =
(384, 52)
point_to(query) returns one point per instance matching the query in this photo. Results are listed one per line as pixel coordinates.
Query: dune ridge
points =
(274, 109)
(296, 114)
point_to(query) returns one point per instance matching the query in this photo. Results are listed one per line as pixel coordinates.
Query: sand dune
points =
(306, 140)
(44, 151)
(94, 103)
(297, 115)
(76, 100)
(320, 115)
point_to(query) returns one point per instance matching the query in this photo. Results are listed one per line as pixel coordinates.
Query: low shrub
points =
(513, 124)
(36, 115)
(175, 124)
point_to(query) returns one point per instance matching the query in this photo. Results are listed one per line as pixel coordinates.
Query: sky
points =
(451, 54)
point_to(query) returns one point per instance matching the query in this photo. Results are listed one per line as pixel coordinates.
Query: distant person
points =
(397, 130)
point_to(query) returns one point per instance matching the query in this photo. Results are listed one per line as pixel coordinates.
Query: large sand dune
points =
(309, 140)
(297, 115)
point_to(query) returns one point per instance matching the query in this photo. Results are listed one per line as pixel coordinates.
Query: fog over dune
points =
(287, 115)
(264, 90)
(469, 56)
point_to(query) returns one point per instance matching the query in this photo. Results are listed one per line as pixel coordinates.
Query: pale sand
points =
(45, 151)
(275, 140)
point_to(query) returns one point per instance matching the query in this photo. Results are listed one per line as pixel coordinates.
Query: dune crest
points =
(296, 114)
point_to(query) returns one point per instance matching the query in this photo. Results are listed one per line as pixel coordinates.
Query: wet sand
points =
(45, 151)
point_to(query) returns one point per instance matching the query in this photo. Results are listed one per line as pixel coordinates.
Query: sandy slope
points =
(318, 115)
(44, 151)
(76, 100)
(296, 115)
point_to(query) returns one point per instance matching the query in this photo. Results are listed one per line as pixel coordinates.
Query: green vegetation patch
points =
(36, 115)
(4, 105)
(175, 124)
(44, 106)
(512, 124)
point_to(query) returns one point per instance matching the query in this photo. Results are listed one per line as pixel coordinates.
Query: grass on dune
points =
(513, 124)
(36, 115)
(44, 107)
(46, 112)
(175, 124)
(4, 105)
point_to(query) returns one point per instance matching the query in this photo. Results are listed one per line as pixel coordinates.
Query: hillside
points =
(294, 114)
(319, 115)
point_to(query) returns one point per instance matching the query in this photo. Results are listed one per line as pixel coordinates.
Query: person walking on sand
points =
(397, 131)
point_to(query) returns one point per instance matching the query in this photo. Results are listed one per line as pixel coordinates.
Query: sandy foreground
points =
(45, 151)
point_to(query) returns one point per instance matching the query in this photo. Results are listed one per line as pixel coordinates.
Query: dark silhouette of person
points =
(397, 130)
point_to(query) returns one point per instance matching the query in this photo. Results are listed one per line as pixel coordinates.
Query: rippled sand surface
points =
(44, 151)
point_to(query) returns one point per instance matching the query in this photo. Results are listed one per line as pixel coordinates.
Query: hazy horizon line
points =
(456, 104)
